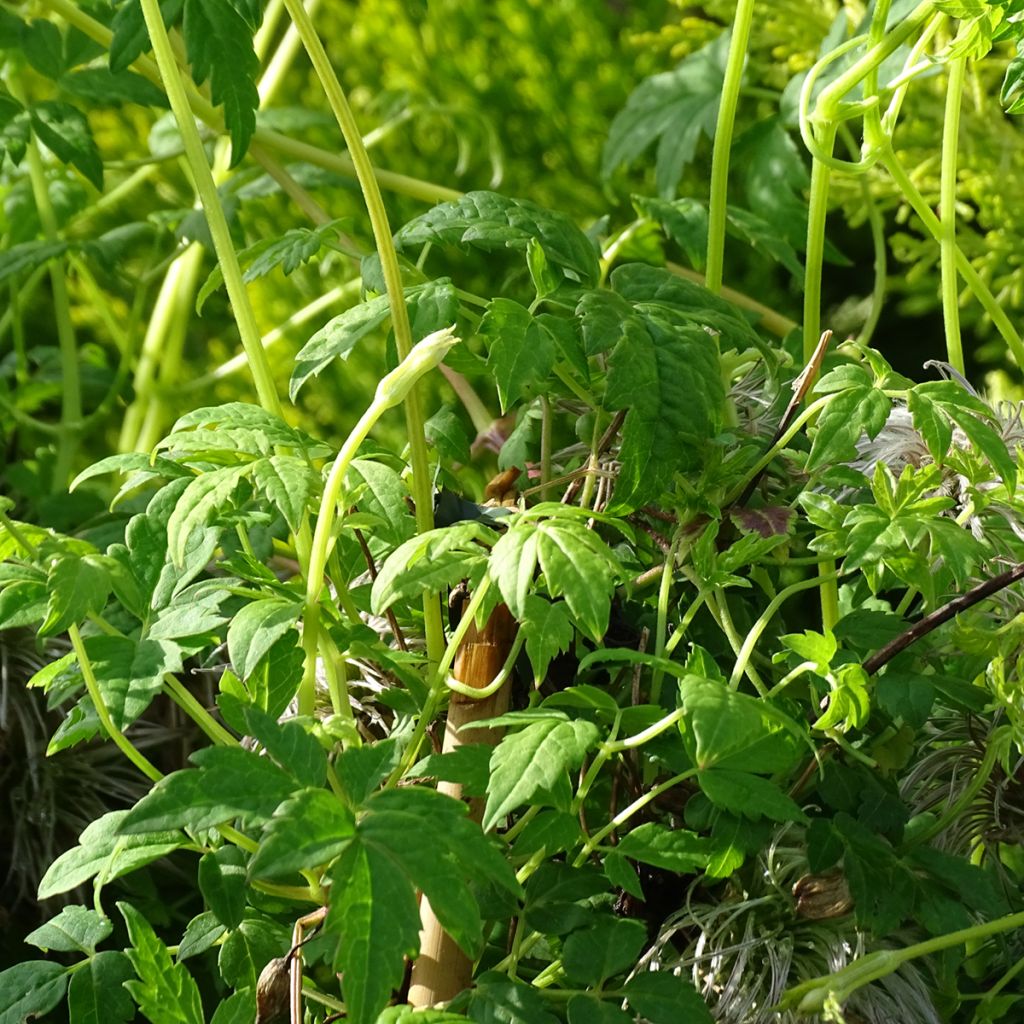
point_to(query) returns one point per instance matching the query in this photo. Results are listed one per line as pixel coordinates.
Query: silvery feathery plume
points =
(899, 444)
(743, 951)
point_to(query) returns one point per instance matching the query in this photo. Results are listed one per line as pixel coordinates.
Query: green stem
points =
(392, 390)
(947, 208)
(723, 143)
(963, 264)
(438, 689)
(207, 190)
(815, 256)
(664, 592)
(545, 448)
(162, 346)
(92, 687)
(830, 99)
(71, 393)
(421, 483)
(186, 700)
(718, 601)
(342, 293)
(627, 812)
(810, 996)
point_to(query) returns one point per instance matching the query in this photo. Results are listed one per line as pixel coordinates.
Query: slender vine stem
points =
(71, 387)
(202, 177)
(723, 143)
(947, 208)
(421, 484)
(121, 741)
(815, 256)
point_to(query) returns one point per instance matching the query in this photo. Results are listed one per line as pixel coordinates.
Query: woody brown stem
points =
(442, 970)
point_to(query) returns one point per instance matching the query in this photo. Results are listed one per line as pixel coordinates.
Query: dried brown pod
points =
(822, 897)
(272, 992)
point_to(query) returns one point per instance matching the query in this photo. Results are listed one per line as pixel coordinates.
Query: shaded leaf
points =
(65, 131)
(489, 221)
(219, 46)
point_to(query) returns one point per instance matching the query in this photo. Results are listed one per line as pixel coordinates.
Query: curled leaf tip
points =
(425, 355)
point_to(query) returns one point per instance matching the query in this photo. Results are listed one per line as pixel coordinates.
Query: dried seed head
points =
(272, 992)
(824, 896)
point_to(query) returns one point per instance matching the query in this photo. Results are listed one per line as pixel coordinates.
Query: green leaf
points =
(15, 132)
(450, 851)
(611, 946)
(676, 108)
(862, 409)
(65, 130)
(665, 998)
(30, 989)
(290, 745)
(429, 563)
(289, 252)
(222, 882)
(623, 875)
(590, 1010)
(23, 603)
(930, 423)
(219, 46)
(77, 587)
(576, 563)
(674, 850)
(287, 482)
(73, 930)
(97, 994)
(26, 257)
(249, 948)
(306, 831)
(130, 673)
(548, 632)
(43, 47)
(361, 769)
(200, 502)
(382, 493)
(106, 88)
(533, 759)
(374, 907)
(101, 849)
(497, 1000)
(202, 932)
(521, 353)
(726, 729)
(165, 991)
(445, 432)
(239, 1008)
(1011, 94)
(666, 372)
(230, 782)
(811, 646)
(906, 696)
(489, 221)
(337, 338)
(748, 795)
(256, 627)
(131, 39)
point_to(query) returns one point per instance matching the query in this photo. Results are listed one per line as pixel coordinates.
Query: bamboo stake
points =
(442, 970)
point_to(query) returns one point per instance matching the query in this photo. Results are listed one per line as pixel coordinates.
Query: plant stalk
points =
(947, 209)
(723, 143)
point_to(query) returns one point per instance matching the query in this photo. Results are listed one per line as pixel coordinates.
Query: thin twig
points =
(602, 444)
(941, 615)
(803, 383)
(371, 568)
